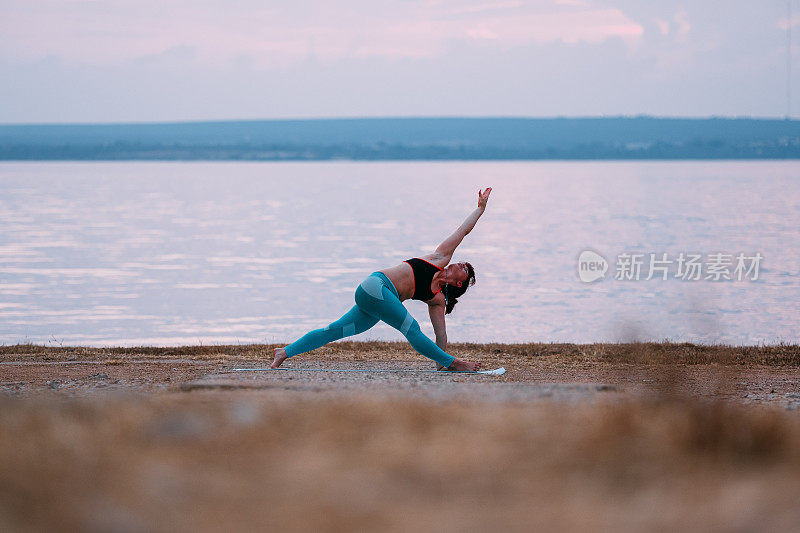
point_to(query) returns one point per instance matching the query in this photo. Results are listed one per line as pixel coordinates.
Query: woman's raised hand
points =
(483, 197)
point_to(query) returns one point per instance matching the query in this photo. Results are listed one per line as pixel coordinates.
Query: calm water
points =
(184, 253)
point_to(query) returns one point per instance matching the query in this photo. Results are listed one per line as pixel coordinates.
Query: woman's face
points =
(456, 274)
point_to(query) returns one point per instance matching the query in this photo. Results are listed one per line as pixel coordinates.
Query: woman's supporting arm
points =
(436, 313)
(448, 247)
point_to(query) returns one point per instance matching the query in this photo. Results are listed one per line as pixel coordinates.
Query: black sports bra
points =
(423, 276)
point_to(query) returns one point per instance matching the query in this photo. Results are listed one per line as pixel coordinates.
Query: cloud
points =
(279, 34)
(663, 25)
(120, 60)
(683, 26)
(784, 23)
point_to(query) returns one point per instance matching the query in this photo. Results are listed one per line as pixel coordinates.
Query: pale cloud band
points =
(118, 60)
(280, 33)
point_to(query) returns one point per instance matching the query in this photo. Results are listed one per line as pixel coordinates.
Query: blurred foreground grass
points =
(293, 459)
(233, 460)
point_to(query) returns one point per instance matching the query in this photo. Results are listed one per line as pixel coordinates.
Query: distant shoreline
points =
(443, 158)
(408, 139)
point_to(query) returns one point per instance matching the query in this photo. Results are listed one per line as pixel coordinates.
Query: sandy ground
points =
(573, 437)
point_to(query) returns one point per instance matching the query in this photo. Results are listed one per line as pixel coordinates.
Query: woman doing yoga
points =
(429, 278)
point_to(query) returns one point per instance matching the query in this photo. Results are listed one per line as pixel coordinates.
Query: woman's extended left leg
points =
(353, 322)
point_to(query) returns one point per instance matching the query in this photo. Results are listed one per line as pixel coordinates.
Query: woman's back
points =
(402, 275)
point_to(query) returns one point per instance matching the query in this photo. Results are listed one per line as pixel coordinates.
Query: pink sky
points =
(83, 32)
(640, 57)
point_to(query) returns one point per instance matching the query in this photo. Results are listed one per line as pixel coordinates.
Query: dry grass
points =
(639, 353)
(676, 458)
(232, 461)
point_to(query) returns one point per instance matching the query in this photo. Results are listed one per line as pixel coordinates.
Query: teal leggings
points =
(376, 299)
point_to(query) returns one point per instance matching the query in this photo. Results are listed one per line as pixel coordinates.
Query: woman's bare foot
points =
(280, 357)
(464, 366)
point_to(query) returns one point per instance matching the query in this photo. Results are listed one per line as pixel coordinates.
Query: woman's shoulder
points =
(437, 300)
(435, 259)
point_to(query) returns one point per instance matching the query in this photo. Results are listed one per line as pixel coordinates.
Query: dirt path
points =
(568, 375)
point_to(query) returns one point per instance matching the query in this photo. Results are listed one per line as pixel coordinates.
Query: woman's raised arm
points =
(450, 244)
